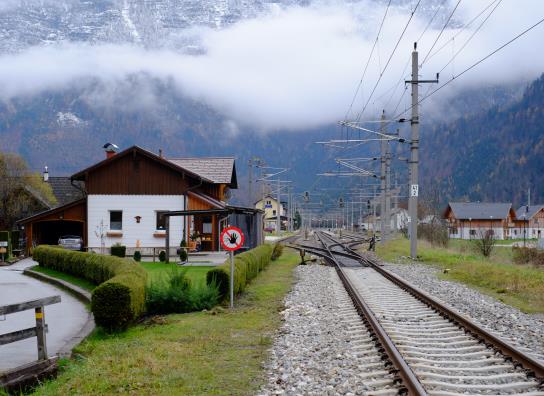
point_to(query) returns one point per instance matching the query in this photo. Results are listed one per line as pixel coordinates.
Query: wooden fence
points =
(38, 331)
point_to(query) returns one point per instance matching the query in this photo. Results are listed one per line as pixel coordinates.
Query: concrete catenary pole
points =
(278, 213)
(383, 145)
(414, 146)
(388, 190)
(250, 186)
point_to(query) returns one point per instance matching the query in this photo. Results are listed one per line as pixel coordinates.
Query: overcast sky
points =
(296, 67)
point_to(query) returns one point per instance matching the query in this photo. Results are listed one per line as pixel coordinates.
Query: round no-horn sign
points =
(232, 238)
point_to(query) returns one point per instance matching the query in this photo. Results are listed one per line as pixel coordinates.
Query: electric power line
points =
(441, 31)
(388, 61)
(462, 29)
(473, 65)
(368, 61)
(471, 36)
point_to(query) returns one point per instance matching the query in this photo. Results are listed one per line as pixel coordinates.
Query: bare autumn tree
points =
(485, 242)
(21, 191)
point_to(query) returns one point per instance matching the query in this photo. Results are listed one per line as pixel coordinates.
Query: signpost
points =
(232, 238)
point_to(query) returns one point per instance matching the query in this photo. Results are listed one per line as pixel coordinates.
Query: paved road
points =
(65, 319)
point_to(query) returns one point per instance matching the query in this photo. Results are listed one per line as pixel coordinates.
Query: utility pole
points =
(383, 144)
(414, 146)
(250, 187)
(388, 189)
(278, 213)
(289, 210)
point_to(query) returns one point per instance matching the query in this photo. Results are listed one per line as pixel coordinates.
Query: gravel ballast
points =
(525, 331)
(323, 347)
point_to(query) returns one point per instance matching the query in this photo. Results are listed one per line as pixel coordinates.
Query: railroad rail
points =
(433, 349)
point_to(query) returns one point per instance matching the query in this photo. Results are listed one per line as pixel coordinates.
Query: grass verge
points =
(203, 353)
(521, 286)
(83, 283)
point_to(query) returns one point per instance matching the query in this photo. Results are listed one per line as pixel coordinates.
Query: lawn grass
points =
(83, 283)
(202, 353)
(521, 286)
(197, 274)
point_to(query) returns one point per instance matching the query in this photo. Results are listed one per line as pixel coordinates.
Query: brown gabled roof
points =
(136, 149)
(220, 170)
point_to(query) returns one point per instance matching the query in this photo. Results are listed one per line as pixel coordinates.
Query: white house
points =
(126, 195)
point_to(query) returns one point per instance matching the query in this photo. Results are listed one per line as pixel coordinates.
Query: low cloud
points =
(294, 68)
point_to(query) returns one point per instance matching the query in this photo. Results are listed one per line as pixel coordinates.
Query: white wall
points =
(464, 232)
(146, 206)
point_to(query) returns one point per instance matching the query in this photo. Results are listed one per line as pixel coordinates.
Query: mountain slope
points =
(494, 155)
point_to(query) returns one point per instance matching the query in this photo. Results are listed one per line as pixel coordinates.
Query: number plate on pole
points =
(414, 190)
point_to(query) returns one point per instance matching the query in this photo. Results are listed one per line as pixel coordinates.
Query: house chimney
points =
(45, 174)
(160, 153)
(111, 149)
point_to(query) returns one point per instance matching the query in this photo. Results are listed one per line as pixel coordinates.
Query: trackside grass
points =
(521, 286)
(202, 353)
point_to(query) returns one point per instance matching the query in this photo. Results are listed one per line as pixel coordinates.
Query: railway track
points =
(432, 349)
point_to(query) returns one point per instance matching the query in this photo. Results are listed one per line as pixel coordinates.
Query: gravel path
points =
(323, 348)
(526, 331)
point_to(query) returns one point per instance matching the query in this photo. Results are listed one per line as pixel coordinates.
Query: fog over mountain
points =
(214, 77)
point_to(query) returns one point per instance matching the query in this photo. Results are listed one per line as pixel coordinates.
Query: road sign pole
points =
(231, 279)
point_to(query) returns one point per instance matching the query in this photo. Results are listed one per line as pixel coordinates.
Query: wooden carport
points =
(46, 225)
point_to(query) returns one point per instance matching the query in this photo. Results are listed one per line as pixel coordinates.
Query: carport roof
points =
(49, 212)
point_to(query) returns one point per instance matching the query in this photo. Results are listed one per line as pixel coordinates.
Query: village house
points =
(271, 209)
(472, 220)
(529, 222)
(127, 197)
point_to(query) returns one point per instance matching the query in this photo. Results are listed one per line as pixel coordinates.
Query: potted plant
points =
(182, 251)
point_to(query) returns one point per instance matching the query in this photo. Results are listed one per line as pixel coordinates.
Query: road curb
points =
(82, 295)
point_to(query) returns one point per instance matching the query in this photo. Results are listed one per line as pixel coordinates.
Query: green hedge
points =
(118, 250)
(246, 267)
(120, 297)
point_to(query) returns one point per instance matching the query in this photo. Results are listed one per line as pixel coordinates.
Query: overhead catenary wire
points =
(481, 60)
(466, 26)
(368, 61)
(471, 36)
(441, 32)
(359, 116)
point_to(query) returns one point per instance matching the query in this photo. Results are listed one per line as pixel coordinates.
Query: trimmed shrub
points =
(137, 256)
(277, 252)
(246, 267)
(162, 256)
(118, 250)
(182, 251)
(120, 297)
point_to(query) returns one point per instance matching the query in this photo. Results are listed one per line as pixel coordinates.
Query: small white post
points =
(231, 279)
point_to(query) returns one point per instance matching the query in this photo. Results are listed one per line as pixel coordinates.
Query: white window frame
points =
(110, 222)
